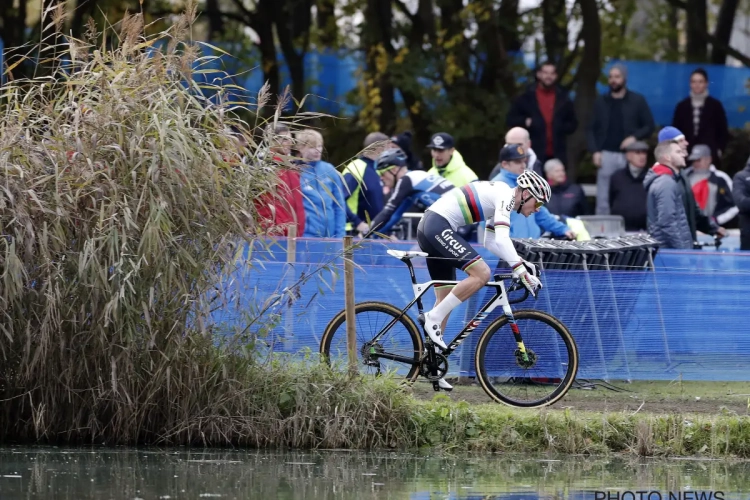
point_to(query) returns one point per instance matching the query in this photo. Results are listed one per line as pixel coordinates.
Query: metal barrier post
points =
(594, 319)
(658, 306)
(617, 316)
(549, 302)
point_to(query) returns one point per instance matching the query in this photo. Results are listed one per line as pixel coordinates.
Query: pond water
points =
(58, 473)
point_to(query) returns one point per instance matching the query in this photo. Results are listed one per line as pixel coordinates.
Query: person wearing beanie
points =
(702, 117)
(673, 216)
(620, 117)
(403, 142)
(672, 134)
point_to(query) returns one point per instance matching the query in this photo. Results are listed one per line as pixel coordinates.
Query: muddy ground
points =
(642, 396)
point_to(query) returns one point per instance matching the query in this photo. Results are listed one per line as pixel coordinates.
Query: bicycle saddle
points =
(402, 255)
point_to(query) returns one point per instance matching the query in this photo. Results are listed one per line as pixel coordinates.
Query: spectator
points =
(702, 117)
(519, 135)
(322, 190)
(513, 159)
(547, 112)
(403, 142)
(282, 207)
(620, 117)
(364, 190)
(447, 162)
(741, 195)
(673, 216)
(409, 188)
(567, 199)
(627, 194)
(712, 188)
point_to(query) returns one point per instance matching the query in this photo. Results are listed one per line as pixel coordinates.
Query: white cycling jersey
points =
(476, 202)
(490, 201)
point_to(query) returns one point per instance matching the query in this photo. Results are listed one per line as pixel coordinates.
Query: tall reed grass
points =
(124, 204)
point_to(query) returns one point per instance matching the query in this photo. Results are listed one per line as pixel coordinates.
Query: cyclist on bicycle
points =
(408, 188)
(447, 250)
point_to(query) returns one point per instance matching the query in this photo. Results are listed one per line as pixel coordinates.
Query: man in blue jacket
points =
(534, 225)
(322, 190)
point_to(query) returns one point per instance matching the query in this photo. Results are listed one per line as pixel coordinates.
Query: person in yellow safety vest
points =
(364, 188)
(447, 162)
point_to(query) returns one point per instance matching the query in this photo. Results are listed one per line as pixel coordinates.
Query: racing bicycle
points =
(536, 369)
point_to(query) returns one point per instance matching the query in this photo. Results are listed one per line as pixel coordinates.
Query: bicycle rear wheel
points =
(402, 340)
(543, 377)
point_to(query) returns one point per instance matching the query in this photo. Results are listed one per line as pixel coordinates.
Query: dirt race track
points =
(643, 396)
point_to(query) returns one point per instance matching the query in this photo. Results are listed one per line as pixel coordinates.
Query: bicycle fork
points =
(522, 355)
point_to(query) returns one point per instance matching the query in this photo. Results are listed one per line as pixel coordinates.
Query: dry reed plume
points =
(122, 200)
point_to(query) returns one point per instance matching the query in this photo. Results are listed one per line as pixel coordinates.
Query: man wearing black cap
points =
(447, 162)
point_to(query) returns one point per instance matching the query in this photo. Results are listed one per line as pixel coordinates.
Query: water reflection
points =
(156, 474)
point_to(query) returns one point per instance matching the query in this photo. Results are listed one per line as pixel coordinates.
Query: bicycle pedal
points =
(436, 387)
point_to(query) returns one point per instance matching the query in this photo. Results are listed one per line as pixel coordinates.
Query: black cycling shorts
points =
(446, 249)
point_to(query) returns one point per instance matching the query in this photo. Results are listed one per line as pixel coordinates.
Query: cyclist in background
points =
(447, 251)
(407, 188)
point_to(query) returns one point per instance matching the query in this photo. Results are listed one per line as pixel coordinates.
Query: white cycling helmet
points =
(536, 185)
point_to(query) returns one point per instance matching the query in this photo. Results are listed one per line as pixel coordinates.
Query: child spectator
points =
(322, 189)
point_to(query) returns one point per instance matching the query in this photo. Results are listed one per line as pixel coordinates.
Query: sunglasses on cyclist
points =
(537, 204)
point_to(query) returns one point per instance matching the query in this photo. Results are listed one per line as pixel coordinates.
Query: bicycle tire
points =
(384, 307)
(558, 327)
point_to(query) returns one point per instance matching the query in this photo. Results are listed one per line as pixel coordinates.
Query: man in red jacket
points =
(277, 211)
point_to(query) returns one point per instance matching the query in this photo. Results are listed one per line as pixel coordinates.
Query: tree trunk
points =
(673, 41)
(13, 24)
(326, 22)
(587, 75)
(293, 19)
(376, 39)
(215, 19)
(510, 20)
(555, 29)
(697, 48)
(723, 32)
(263, 26)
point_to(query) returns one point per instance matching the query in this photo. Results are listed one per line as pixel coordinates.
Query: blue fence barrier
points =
(684, 319)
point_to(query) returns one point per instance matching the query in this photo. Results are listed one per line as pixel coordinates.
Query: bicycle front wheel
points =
(539, 377)
(402, 341)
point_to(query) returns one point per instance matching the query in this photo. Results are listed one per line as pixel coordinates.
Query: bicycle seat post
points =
(411, 271)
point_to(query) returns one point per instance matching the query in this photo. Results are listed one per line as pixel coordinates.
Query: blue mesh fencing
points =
(684, 319)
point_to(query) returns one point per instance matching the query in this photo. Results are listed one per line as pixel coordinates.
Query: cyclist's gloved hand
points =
(528, 279)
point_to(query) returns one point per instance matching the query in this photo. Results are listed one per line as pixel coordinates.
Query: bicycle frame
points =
(500, 299)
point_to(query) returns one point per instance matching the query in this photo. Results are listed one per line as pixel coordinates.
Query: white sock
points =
(442, 310)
